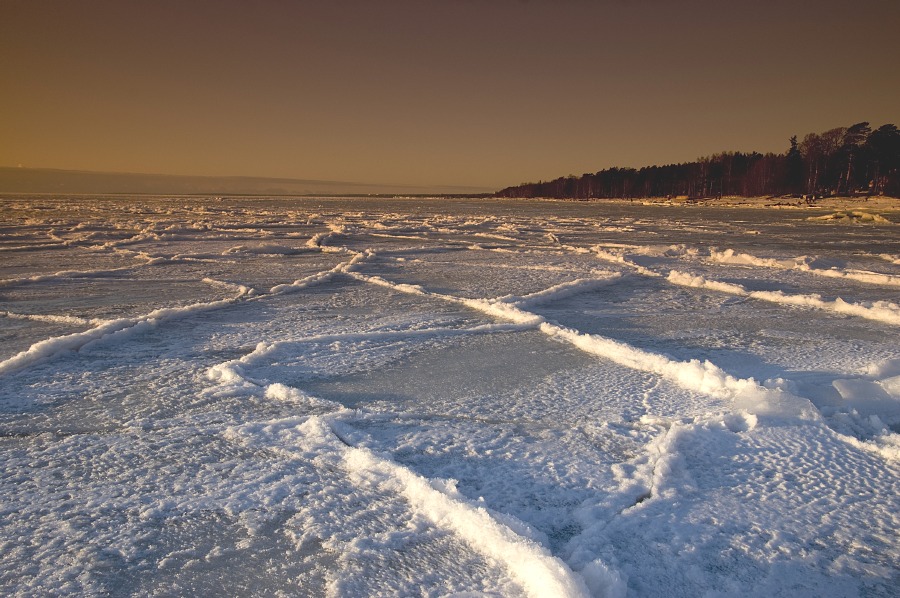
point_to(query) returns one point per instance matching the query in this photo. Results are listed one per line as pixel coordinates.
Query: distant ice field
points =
(436, 397)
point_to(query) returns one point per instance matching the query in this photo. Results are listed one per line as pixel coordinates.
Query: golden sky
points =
(484, 93)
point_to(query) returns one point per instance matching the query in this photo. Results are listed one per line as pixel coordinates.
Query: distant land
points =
(48, 180)
(844, 161)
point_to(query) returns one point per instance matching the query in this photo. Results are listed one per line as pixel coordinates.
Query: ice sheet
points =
(356, 397)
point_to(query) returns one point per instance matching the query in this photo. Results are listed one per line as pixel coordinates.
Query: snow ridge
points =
(323, 277)
(53, 319)
(54, 346)
(63, 274)
(881, 311)
(730, 256)
(562, 290)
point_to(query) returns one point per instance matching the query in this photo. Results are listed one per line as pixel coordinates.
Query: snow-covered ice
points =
(431, 397)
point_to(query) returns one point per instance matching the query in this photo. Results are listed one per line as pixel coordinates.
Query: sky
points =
(479, 93)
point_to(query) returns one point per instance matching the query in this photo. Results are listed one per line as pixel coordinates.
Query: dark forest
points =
(845, 161)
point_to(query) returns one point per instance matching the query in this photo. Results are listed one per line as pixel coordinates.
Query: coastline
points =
(879, 203)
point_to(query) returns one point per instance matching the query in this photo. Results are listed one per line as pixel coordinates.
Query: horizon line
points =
(248, 178)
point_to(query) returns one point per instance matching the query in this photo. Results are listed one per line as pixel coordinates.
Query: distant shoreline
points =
(81, 182)
(782, 203)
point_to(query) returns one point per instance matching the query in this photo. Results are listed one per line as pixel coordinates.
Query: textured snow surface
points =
(412, 397)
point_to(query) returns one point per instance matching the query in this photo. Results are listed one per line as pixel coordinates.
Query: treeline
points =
(853, 160)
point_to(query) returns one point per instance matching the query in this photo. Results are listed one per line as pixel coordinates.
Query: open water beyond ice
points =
(415, 397)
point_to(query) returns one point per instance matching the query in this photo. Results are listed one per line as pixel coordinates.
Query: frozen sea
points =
(411, 397)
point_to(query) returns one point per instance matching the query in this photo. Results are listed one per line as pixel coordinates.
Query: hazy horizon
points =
(19, 179)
